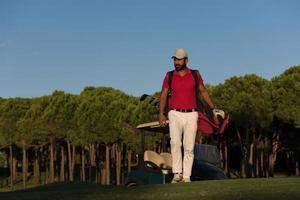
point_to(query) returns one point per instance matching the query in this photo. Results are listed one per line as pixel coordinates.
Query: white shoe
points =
(177, 178)
(186, 180)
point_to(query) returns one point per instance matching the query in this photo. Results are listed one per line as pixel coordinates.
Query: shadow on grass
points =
(272, 188)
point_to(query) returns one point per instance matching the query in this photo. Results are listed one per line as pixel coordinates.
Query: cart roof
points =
(153, 127)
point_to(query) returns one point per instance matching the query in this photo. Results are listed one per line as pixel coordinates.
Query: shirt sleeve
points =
(165, 82)
(200, 80)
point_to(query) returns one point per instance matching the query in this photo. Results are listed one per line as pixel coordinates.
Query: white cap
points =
(180, 54)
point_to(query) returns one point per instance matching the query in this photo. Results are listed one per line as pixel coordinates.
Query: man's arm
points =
(162, 105)
(205, 96)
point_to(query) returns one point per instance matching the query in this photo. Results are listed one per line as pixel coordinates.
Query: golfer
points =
(182, 114)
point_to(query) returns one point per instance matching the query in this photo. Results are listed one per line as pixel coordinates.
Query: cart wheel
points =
(132, 184)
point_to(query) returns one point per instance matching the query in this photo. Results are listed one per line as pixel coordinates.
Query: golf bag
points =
(209, 121)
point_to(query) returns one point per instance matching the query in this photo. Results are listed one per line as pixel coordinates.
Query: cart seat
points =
(162, 161)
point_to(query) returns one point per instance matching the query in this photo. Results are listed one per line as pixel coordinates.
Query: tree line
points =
(265, 123)
(92, 136)
(54, 137)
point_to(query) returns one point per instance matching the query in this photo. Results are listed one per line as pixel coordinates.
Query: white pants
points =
(182, 124)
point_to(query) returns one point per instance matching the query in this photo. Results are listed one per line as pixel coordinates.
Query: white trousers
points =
(182, 125)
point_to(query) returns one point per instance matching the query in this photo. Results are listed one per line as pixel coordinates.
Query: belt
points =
(185, 110)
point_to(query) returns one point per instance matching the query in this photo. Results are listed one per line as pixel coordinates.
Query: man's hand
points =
(162, 120)
(219, 112)
(162, 104)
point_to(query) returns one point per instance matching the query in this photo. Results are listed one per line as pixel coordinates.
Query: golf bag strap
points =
(170, 78)
(197, 91)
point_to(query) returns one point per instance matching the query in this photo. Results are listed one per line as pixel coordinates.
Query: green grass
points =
(263, 188)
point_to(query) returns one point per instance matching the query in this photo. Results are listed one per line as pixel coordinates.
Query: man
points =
(183, 114)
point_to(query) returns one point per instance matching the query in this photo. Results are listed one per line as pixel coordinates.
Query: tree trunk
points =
(47, 172)
(51, 167)
(91, 162)
(82, 165)
(221, 155)
(97, 167)
(36, 168)
(62, 164)
(71, 160)
(122, 178)
(92, 154)
(107, 164)
(266, 162)
(11, 165)
(56, 164)
(8, 167)
(226, 158)
(262, 162)
(15, 172)
(297, 166)
(24, 166)
(273, 154)
(103, 176)
(71, 174)
(129, 152)
(257, 163)
(243, 160)
(251, 163)
(118, 164)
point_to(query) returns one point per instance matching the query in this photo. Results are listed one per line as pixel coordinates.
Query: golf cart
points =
(156, 168)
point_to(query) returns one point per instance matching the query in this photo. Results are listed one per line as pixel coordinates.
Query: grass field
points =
(263, 188)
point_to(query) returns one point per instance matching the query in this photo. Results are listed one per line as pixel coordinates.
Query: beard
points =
(180, 67)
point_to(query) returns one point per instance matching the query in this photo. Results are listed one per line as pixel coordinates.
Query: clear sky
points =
(48, 45)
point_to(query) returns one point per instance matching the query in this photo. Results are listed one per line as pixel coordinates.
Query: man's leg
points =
(189, 131)
(176, 137)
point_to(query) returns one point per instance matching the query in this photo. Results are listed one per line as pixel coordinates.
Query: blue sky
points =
(127, 44)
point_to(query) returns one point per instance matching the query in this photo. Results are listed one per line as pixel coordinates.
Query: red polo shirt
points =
(183, 90)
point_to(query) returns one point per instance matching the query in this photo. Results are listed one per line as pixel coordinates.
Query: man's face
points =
(180, 63)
